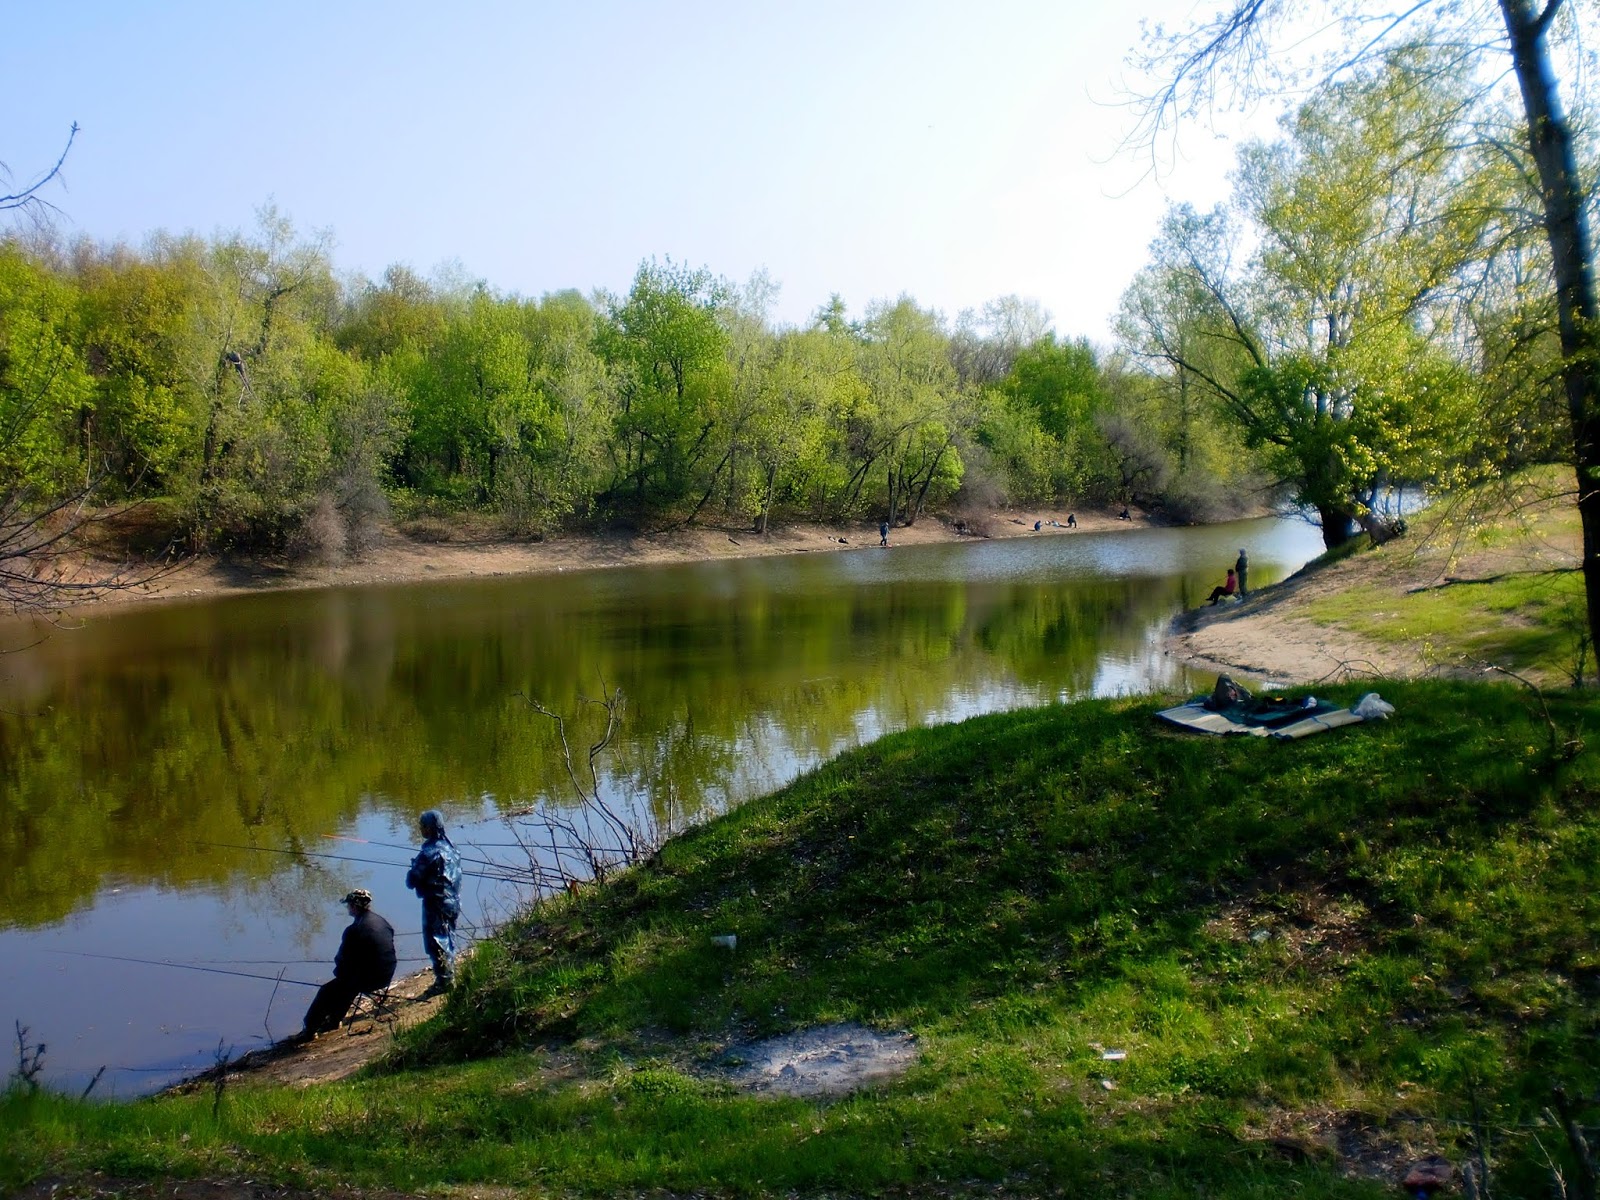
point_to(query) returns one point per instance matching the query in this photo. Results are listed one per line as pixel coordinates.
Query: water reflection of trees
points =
(271, 721)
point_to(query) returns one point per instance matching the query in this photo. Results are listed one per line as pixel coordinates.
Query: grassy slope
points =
(1355, 935)
(1514, 596)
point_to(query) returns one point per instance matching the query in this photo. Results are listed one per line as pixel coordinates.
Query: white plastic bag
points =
(1372, 706)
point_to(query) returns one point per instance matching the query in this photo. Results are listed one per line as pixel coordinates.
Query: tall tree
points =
(1332, 347)
(669, 350)
(1237, 46)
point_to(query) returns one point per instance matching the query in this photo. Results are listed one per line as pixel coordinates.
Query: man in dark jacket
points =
(364, 963)
(435, 875)
(1241, 568)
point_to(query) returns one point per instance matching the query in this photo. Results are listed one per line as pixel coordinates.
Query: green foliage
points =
(46, 392)
(669, 352)
(1061, 383)
(1344, 349)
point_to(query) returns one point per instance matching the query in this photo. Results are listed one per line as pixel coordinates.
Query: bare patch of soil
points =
(1363, 1146)
(830, 1060)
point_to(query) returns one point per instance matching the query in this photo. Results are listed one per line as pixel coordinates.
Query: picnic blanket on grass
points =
(1297, 722)
(1232, 709)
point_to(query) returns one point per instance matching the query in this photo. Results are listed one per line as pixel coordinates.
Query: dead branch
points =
(566, 846)
(29, 196)
(1579, 1145)
(219, 1081)
(84, 1095)
(30, 1059)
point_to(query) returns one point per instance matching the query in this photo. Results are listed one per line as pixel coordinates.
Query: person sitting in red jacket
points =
(1226, 588)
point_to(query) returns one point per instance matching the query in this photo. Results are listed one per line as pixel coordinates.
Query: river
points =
(196, 784)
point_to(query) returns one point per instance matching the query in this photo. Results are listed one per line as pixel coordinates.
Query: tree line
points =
(1370, 309)
(260, 401)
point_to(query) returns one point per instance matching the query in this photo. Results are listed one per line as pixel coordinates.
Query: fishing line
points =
(152, 962)
(289, 962)
(482, 862)
(377, 862)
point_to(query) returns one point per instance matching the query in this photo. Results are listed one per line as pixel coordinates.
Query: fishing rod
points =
(482, 862)
(153, 962)
(377, 862)
(290, 962)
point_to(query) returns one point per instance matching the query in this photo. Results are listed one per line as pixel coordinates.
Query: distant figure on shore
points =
(435, 875)
(364, 963)
(1226, 588)
(1037, 525)
(883, 533)
(1072, 520)
(1241, 567)
(1124, 515)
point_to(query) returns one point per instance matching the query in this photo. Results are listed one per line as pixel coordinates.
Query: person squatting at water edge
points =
(435, 875)
(364, 963)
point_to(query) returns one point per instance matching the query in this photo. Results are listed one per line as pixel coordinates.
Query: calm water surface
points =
(198, 784)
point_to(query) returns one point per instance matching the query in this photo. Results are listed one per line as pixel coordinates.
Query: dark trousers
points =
(334, 999)
(439, 939)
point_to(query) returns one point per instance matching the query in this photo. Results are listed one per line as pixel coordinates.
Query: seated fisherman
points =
(1226, 588)
(364, 963)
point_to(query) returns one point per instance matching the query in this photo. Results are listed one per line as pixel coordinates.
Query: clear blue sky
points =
(950, 150)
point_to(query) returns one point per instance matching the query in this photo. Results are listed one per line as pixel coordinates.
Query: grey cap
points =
(360, 897)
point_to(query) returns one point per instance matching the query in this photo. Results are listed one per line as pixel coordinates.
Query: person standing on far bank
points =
(435, 875)
(1240, 567)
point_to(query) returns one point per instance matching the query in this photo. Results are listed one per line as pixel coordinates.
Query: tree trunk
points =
(1338, 527)
(766, 499)
(1550, 140)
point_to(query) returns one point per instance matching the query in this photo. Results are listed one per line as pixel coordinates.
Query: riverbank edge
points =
(1372, 1152)
(399, 558)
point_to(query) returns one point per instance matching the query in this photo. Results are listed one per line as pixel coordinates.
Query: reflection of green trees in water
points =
(274, 719)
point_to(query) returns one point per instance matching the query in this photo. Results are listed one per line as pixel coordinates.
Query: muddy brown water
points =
(196, 784)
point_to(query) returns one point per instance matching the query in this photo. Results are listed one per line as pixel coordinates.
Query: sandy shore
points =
(401, 559)
(1270, 637)
(1263, 640)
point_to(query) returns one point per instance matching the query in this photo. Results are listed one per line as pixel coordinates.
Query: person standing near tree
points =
(1241, 566)
(435, 875)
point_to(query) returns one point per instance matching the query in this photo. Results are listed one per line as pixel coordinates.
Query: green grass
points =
(1514, 596)
(1528, 621)
(1377, 927)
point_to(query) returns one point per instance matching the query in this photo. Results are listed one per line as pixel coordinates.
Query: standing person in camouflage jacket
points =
(435, 875)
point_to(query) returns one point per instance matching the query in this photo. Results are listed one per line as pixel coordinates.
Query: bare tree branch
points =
(29, 196)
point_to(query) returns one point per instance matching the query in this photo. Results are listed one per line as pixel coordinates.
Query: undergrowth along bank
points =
(1319, 958)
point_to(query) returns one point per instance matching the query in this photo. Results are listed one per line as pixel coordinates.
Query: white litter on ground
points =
(827, 1061)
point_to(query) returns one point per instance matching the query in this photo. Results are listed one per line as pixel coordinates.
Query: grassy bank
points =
(1320, 958)
(1483, 579)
